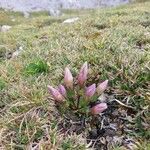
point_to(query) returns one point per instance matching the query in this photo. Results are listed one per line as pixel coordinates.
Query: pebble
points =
(26, 14)
(55, 12)
(71, 20)
(5, 28)
(102, 98)
(17, 52)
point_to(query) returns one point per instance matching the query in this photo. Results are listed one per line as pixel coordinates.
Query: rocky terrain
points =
(36, 5)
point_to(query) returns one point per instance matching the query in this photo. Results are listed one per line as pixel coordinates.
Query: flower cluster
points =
(75, 96)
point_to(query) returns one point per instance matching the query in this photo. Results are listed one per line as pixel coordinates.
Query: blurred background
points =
(54, 6)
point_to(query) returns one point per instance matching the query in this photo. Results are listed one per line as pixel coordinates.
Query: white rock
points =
(71, 20)
(17, 52)
(54, 12)
(5, 28)
(26, 14)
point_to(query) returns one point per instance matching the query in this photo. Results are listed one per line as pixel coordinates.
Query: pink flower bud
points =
(68, 78)
(90, 91)
(62, 90)
(102, 87)
(98, 108)
(56, 94)
(83, 74)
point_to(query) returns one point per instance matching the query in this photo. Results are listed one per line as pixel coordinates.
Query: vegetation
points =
(116, 44)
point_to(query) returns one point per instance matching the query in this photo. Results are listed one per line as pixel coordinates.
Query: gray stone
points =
(26, 14)
(17, 52)
(54, 12)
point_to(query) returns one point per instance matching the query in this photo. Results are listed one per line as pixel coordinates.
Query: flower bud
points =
(99, 108)
(102, 87)
(83, 74)
(68, 78)
(62, 90)
(56, 94)
(90, 91)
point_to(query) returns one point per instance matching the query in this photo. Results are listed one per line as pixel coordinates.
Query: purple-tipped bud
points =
(68, 78)
(99, 108)
(90, 91)
(102, 87)
(83, 74)
(62, 90)
(56, 94)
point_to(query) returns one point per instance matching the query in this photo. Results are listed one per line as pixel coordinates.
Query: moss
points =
(36, 67)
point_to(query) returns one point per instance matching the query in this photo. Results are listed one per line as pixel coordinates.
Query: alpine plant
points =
(75, 96)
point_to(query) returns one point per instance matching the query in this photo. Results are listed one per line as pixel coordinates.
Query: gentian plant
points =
(83, 109)
(75, 97)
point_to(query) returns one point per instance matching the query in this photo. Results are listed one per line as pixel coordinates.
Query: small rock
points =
(102, 98)
(55, 12)
(26, 14)
(71, 20)
(5, 28)
(17, 52)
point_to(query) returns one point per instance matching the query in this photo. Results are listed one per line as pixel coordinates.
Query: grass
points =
(114, 41)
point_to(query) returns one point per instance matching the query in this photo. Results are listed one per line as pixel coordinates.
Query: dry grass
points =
(115, 42)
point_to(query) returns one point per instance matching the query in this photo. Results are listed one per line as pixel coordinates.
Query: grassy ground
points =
(114, 41)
